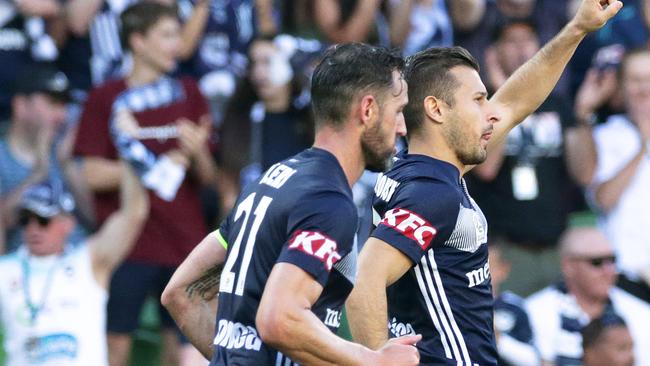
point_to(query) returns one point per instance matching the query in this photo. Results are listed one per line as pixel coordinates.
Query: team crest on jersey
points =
(410, 225)
(316, 245)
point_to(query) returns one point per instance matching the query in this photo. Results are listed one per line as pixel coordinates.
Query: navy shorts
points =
(130, 286)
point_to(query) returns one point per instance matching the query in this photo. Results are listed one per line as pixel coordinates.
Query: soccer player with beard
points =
(425, 268)
(287, 248)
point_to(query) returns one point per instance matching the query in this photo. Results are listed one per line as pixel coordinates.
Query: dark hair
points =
(594, 330)
(345, 71)
(427, 73)
(140, 17)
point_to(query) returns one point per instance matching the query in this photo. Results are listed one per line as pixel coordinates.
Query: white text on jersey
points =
(317, 245)
(277, 175)
(411, 225)
(478, 276)
(333, 318)
(232, 335)
(385, 187)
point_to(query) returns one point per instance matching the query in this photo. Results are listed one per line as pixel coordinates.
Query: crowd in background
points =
(221, 93)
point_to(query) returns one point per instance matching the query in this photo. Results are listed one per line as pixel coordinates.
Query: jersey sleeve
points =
(420, 215)
(320, 232)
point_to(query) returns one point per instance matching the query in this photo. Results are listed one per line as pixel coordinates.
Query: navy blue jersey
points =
(426, 212)
(511, 320)
(300, 212)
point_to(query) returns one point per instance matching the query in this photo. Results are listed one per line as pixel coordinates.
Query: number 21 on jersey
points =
(245, 233)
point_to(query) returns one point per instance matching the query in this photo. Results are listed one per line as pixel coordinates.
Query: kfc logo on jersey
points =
(316, 245)
(410, 225)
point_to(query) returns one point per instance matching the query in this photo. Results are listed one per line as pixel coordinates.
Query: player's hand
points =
(593, 14)
(399, 352)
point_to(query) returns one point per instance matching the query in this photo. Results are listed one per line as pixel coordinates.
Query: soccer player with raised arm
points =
(287, 248)
(425, 268)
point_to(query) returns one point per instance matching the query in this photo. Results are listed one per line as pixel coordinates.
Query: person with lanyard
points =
(52, 294)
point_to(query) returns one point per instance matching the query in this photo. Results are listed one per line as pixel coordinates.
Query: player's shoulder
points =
(422, 192)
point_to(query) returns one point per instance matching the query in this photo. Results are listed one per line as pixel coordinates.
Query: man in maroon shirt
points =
(169, 118)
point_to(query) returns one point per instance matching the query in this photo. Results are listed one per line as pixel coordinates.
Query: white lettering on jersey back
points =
(277, 175)
(410, 225)
(316, 245)
(385, 187)
(333, 318)
(478, 276)
(234, 335)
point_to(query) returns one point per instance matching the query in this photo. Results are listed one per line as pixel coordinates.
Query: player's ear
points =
(368, 109)
(433, 108)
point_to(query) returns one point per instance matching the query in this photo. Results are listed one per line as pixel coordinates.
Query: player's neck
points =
(343, 147)
(435, 148)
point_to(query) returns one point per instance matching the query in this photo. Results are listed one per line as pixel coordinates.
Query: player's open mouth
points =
(486, 136)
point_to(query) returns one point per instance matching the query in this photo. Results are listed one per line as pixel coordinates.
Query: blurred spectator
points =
(548, 16)
(216, 37)
(514, 335)
(37, 147)
(351, 21)
(560, 312)
(524, 181)
(630, 29)
(93, 52)
(269, 118)
(607, 341)
(167, 124)
(622, 177)
(53, 295)
(24, 38)
(416, 25)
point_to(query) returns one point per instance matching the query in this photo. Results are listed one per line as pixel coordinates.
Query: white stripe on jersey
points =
(439, 312)
(434, 317)
(282, 360)
(445, 302)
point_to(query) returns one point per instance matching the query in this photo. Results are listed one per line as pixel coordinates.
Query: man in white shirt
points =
(53, 295)
(620, 187)
(559, 312)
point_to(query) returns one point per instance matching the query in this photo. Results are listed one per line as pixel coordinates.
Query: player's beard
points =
(468, 153)
(376, 152)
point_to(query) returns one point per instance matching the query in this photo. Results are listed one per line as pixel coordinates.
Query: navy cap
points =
(47, 199)
(43, 77)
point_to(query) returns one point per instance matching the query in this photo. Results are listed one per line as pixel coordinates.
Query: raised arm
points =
(191, 294)
(116, 237)
(380, 265)
(529, 86)
(285, 321)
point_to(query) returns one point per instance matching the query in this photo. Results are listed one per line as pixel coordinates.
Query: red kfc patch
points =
(410, 225)
(316, 245)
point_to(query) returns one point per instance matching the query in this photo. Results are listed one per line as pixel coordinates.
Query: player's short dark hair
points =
(593, 331)
(140, 17)
(345, 71)
(428, 73)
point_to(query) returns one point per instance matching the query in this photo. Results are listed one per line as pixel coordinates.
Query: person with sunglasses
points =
(53, 294)
(587, 291)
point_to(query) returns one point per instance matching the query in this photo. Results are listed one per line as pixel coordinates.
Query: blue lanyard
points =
(35, 309)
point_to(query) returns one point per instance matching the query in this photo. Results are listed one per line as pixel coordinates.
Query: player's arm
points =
(116, 237)
(527, 88)
(285, 321)
(191, 294)
(380, 265)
